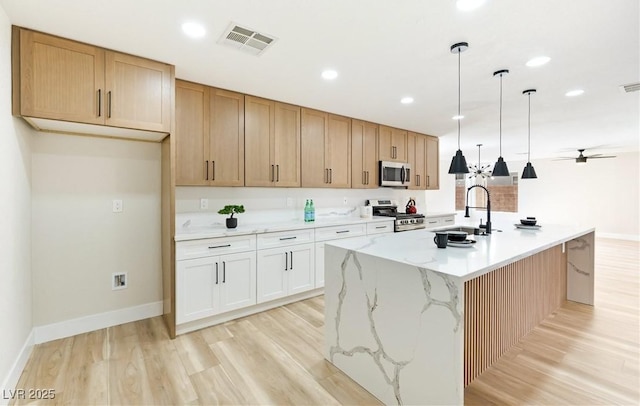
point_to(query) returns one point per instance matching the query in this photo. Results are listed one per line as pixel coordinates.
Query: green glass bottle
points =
(312, 211)
(307, 211)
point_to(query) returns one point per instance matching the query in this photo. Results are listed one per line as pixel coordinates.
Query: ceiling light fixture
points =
(468, 5)
(329, 74)
(193, 29)
(500, 167)
(479, 170)
(458, 117)
(574, 93)
(537, 61)
(458, 162)
(529, 172)
(406, 100)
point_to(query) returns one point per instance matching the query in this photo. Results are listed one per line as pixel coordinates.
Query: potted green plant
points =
(232, 222)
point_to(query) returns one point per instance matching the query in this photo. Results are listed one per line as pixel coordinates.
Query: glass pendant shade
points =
(458, 164)
(529, 172)
(500, 168)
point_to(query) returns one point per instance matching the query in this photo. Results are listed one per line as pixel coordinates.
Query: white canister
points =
(366, 212)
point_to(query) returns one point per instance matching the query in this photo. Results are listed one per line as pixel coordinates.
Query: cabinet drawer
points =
(214, 246)
(447, 221)
(284, 238)
(379, 228)
(334, 232)
(432, 222)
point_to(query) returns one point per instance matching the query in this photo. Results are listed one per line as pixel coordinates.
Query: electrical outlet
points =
(289, 202)
(118, 280)
(117, 206)
(344, 201)
(204, 204)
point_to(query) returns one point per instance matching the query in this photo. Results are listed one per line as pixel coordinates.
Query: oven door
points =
(395, 174)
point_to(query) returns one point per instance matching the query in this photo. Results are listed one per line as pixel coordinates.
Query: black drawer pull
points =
(342, 232)
(286, 261)
(379, 227)
(288, 238)
(220, 246)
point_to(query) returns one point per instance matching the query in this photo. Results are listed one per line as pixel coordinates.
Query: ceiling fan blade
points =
(563, 158)
(599, 157)
(591, 156)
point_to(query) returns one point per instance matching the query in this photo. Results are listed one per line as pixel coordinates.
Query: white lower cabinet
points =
(212, 285)
(433, 222)
(285, 271)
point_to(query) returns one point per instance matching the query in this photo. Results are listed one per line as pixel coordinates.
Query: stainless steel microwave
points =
(395, 174)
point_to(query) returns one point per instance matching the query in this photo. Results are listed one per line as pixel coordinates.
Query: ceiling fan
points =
(582, 159)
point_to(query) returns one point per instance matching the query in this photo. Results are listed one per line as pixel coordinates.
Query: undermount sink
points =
(466, 229)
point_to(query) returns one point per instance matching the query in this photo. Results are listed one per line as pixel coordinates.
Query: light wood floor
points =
(580, 355)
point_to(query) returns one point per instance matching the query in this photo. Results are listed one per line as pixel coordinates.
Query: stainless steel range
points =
(403, 222)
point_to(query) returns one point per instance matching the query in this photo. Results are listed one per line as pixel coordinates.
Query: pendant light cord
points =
(529, 131)
(459, 118)
(501, 114)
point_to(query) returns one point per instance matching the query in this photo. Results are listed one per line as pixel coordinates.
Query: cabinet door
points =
(319, 271)
(196, 281)
(237, 286)
(191, 122)
(287, 145)
(358, 172)
(301, 272)
(385, 145)
(417, 150)
(315, 173)
(399, 142)
(370, 157)
(226, 138)
(432, 163)
(258, 142)
(338, 151)
(272, 267)
(59, 79)
(138, 92)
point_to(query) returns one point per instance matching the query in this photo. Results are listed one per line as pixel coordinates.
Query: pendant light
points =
(458, 162)
(500, 167)
(479, 170)
(529, 172)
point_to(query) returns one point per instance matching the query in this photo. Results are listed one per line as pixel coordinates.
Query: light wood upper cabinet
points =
(192, 107)
(392, 144)
(225, 143)
(59, 79)
(209, 136)
(433, 163)
(417, 149)
(326, 150)
(272, 143)
(364, 156)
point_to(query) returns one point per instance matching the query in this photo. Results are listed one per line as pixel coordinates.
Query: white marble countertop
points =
(219, 230)
(417, 247)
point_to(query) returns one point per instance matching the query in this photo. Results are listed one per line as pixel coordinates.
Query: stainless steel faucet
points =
(467, 207)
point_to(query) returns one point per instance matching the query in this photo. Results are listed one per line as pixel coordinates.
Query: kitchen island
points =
(414, 324)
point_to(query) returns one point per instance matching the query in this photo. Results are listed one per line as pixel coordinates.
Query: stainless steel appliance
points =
(395, 174)
(403, 221)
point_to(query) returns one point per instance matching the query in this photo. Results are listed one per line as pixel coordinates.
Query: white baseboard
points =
(628, 237)
(12, 377)
(68, 328)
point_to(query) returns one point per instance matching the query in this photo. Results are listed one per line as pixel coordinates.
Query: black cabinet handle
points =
(367, 177)
(330, 175)
(326, 176)
(224, 272)
(277, 173)
(272, 171)
(364, 177)
(213, 170)
(216, 273)
(206, 163)
(342, 232)
(286, 261)
(428, 180)
(219, 246)
(379, 227)
(99, 102)
(291, 253)
(288, 238)
(109, 104)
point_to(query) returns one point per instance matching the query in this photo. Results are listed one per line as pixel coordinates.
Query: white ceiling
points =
(384, 50)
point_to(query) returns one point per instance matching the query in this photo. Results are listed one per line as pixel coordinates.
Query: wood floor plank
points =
(214, 387)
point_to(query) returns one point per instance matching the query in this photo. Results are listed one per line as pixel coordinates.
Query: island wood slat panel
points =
(503, 306)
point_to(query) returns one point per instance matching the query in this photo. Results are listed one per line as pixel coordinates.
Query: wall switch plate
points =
(204, 204)
(118, 280)
(117, 206)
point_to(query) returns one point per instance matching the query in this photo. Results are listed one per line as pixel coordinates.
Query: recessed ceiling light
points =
(329, 74)
(468, 5)
(537, 61)
(406, 100)
(573, 93)
(457, 117)
(193, 29)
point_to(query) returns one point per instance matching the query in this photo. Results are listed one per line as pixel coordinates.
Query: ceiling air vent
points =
(631, 87)
(246, 39)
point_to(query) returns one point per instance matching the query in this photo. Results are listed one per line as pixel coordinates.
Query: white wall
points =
(603, 193)
(15, 224)
(78, 242)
